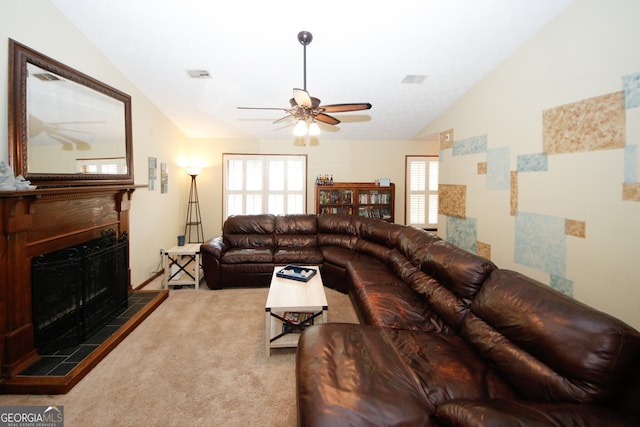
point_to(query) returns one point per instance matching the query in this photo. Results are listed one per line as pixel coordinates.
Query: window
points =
(255, 184)
(115, 165)
(422, 191)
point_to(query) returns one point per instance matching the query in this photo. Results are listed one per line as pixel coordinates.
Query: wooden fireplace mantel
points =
(35, 222)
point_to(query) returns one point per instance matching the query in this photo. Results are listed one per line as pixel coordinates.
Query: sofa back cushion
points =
(249, 231)
(461, 271)
(336, 224)
(445, 303)
(373, 249)
(296, 231)
(549, 346)
(337, 230)
(414, 243)
(401, 265)
(378, 231)
(340, 240)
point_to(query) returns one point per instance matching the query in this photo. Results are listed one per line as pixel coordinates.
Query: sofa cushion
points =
(296, 231)
(343, 379)
(259, 268)
(243, 275)
(346, 241)
(398, 307)
(375, 230)
(296, 224)
(249, 224)
(461, 271)
(296, 241)
(414, 243)
(506, 413)
(401, 265)
(373, 249)
(298, 255)
(547, 345)
(249, 231)
(243, 255)
(364, 270)
(336, 224)
(366, 375)
(449, 306)
(337, 255)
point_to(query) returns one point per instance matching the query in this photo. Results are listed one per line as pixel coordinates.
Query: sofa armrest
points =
(215, 247)
(502, 413)
(210, 254)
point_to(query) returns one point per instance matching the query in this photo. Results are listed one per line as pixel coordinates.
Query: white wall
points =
(582, 54)
(156, 219)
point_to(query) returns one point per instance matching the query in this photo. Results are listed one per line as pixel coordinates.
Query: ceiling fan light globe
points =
(314, 129)
(300, 129)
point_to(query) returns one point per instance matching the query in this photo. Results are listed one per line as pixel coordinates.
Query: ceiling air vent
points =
(414, 79)
(199, 74)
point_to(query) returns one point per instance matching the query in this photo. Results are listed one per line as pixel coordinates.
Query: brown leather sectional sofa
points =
(446, 338)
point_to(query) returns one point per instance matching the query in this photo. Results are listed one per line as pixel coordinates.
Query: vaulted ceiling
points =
(411, 59)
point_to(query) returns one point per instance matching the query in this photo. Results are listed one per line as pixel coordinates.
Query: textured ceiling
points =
(361, 52)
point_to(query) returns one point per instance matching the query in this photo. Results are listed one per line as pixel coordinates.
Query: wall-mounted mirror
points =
(65, 128)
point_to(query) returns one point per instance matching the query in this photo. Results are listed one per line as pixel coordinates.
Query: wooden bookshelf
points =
(364, 199)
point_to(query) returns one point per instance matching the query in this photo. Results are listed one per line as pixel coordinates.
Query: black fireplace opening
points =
(77, 290)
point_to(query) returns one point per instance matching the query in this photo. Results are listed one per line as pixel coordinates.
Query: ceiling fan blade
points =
(262, 108)
(338, 108)
(302, 98)
(282, 119)
(325, 118)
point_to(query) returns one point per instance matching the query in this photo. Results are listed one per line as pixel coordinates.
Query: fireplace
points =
(75, 291)
(35, 223)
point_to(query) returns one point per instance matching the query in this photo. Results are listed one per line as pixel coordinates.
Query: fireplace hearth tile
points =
(62, 361)
(105, 332)
(62, 369)
(68, 351)
(44, 367)
(82, 352)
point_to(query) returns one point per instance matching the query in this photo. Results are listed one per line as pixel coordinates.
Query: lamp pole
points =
(193, 214)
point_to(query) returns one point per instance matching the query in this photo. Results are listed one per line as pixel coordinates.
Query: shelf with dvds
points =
(365, 199)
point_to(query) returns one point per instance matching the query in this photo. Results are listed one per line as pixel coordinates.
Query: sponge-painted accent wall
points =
(593, 124)
(545, 151)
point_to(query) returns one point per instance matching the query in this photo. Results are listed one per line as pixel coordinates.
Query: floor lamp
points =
(194, 220)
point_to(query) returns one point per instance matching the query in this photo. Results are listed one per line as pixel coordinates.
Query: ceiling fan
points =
(305, 108)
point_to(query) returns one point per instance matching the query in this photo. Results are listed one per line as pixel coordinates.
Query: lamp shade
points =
(193, 171)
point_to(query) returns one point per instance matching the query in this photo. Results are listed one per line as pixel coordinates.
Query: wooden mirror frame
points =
(19, 57)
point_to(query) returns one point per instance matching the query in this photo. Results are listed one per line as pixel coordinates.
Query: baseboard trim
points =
(149, 280)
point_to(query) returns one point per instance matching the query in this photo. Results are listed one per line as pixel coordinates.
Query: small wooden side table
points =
(182, 257)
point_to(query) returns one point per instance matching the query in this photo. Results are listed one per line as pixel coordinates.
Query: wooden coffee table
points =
(287, 298)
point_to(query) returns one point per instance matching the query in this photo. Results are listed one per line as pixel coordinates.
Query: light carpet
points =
(198, 360)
